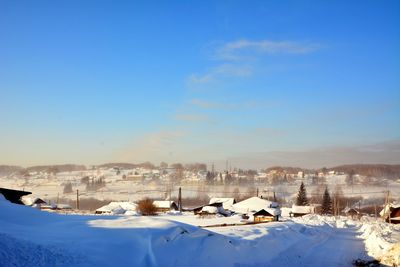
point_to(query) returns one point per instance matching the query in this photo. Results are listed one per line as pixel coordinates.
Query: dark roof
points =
(14, 196)
(262, 212)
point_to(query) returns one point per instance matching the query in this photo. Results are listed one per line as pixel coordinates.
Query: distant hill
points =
(8, 169)
(376, 170)
(56, 168)
(146, 165)
(282, 169)
(118, 165)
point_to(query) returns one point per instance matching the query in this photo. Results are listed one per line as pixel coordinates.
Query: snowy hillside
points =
(31, 237)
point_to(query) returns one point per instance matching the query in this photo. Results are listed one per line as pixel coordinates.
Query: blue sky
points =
(253, 82)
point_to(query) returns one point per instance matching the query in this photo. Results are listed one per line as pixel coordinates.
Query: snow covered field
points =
(51, 187)
(29, 237)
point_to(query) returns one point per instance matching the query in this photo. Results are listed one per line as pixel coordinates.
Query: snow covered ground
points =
(51, 186)
(29, 237)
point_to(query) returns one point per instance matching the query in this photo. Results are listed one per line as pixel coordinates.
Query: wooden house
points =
(298, 211)
(352, 212)
(391, 213)
(264, 216)
(165, 205)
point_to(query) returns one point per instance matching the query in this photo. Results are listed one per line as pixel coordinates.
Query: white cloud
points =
(244, 49)
(224, 70)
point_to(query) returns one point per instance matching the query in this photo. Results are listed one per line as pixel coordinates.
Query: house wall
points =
(395, 213)
(163, 209)
(259, 219)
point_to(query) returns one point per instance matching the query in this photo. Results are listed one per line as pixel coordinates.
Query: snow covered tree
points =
(326, 203)
(302, 196)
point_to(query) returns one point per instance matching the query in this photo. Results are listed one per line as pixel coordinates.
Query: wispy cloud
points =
(224, 70)
(243, 49)
(237, 57)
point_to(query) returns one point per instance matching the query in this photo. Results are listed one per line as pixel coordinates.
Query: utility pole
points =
(77, 199)
(257, 191)
(388, 203)
(180, 199)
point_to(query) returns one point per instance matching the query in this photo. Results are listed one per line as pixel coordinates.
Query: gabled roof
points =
(385, 211)
(347, 209)
(302, 209)
(254, 204)
(226, 202)
(263, 212)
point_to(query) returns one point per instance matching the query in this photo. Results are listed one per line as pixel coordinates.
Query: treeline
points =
(373, 170)
(8, 169)
(121, 165)
(93, 184)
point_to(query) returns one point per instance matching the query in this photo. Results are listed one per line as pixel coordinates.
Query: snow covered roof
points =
(303, 209)
(210, 209)
(385, 211)
(118, 208)
(30, 200)
(253, 204)
(348, 209)
(226, 202)
(270, 211)
(163, 204)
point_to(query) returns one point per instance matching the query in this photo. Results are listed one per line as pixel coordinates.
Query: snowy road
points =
(338, 248)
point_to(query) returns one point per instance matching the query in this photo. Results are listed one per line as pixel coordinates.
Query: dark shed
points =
(14, 196)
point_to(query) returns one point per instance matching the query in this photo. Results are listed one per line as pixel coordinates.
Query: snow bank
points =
(32, 237)
(382, 240)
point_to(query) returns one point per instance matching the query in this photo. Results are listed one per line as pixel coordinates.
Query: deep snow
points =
(29, 237)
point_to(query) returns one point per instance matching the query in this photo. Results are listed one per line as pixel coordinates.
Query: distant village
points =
(257, 196)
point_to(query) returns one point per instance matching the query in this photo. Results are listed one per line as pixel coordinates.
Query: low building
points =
(298, 211)
(391, 213)
(165, 205)
(265, 216)
(352, 212)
